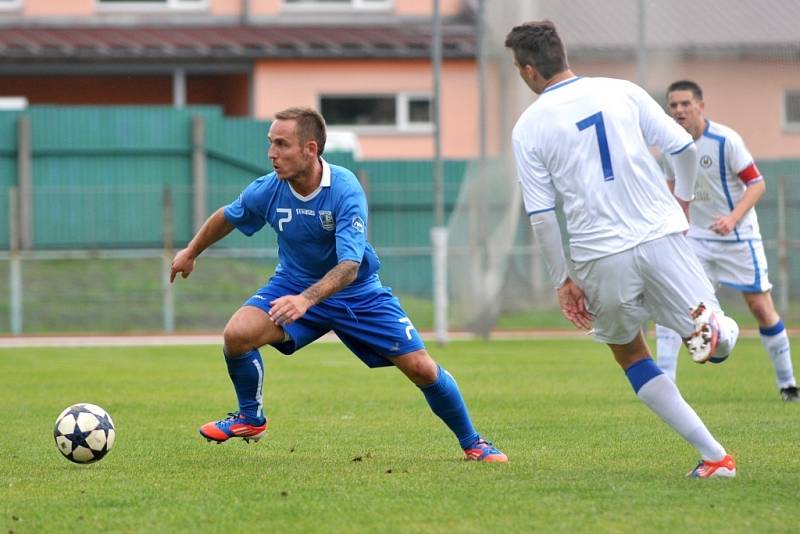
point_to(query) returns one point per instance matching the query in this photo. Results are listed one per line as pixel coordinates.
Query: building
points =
(366, 63)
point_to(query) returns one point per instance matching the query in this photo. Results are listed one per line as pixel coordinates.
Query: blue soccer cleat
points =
(233, 426)
(483, 451)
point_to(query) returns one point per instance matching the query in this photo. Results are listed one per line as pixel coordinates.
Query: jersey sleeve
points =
(658, 128)
(740, 161)
(538, 191)
(351, 225)
(246, 212)
(666, 167)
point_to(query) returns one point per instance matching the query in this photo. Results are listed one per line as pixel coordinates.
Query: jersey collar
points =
(326, 174)
(324, 182)
(562, 83)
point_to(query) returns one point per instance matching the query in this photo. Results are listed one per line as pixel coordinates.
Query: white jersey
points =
(588, 139)
(726, 169)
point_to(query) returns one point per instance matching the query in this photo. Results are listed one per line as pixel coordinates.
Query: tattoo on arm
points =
(334, 280)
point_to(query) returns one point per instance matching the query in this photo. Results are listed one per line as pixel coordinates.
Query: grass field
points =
(357, 450)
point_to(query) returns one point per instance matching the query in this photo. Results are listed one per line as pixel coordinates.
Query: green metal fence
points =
(126, 178)
(99, 176)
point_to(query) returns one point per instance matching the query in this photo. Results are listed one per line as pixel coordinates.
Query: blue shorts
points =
(368, 319)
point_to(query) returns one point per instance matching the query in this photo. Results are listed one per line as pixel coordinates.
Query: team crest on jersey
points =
(358, 224)
(706, 161)
(326, 217)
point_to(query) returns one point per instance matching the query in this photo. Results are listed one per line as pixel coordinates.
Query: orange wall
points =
(265, 7)
(425, 7)
(280, 84)
(39, 8)
(228, 7)
(399, 7)
(225, 7)
(62, 7)
(746, 95)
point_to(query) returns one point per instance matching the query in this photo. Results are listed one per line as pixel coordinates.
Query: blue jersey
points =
(315, 232)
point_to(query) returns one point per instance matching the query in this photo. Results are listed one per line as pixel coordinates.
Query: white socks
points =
(668, 345)
(662, 396)
(776, 342)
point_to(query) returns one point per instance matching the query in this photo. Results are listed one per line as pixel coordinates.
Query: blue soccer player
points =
(586, 139)
(326, 280)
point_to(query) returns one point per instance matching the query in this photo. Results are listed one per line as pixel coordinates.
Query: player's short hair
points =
(686, 85)
(537, 43)
(310, 125)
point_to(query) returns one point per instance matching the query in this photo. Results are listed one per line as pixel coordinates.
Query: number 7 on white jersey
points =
(596, 120)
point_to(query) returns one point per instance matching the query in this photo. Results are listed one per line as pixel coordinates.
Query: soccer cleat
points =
(703, 343)
(790, 394)
(233, 426)
(483, 451)
(705, 469)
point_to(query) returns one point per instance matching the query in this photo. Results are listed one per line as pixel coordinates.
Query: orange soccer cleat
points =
(483, 451)
(705, 469)
(235, 425)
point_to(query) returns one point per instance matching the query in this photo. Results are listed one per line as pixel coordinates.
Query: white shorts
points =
(741, 265)
(659, 280)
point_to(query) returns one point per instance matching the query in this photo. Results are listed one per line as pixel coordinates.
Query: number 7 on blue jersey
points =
(596, 120)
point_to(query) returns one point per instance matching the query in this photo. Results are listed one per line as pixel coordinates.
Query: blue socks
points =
(247, 375)
(642, 372)
(445, 400)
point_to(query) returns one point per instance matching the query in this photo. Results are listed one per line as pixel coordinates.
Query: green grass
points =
(357, 450)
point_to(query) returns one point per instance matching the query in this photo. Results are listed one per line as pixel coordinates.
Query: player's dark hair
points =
(537, 43)
(686, 85)
(310, 125)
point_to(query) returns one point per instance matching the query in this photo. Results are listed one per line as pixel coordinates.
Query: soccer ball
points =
(84, 433)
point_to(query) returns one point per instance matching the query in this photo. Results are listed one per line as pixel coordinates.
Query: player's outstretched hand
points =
(288, 309)
(182, 263)
(573, 305)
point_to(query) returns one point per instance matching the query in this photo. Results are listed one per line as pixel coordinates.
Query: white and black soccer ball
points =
(84, 433)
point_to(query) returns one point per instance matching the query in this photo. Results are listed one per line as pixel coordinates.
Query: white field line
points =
(10, 342)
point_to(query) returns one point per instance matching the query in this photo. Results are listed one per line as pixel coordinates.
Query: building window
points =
(150, 4)
(791, 106)
(404, 111)
(337, 4)
(419, 110)
(10, 4)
